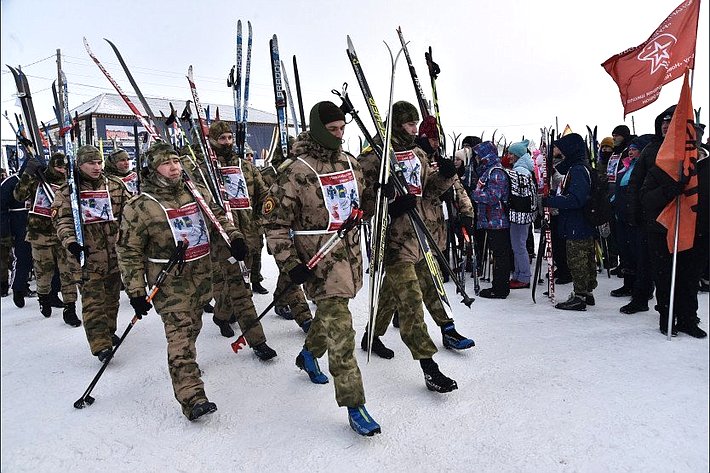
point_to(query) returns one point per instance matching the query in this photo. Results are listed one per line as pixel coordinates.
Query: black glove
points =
(467, 222)
(76, 249)
(680, 185)
(300, 274)
(32, 166)
(387, 189)
(238, 249)
(401, 205)
(447, 168)
(140, 305)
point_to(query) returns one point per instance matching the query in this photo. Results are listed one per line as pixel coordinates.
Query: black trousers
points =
(499, 243)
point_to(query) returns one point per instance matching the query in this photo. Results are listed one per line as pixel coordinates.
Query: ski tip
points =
(249, 26)
(109, 42)
(351, 48)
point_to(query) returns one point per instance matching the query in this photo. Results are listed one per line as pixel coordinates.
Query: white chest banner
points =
(412, 168)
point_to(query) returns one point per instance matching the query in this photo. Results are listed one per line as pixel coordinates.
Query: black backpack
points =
(597, 210)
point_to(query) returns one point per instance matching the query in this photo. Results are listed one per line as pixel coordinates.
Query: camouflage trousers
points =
(582, 265)
(181, 331)
(234, 297)
(332, 331)
(401, 292)
(99, 307)
(294, 298)
(430, 294)
(46, 259)
(255, 256)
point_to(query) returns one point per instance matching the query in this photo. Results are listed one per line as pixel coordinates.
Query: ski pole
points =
(353, 220)
(177, 258)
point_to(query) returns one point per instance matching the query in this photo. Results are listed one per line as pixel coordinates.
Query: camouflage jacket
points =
(40, 228)
(296, 202)
(146, 241)
(437, 225)
(402, 244)
(100, 237)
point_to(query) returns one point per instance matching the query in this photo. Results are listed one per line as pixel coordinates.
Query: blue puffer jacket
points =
(576, 188)
(494, 188)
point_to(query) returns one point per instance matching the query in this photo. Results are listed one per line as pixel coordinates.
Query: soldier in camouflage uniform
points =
(292, 305)
(311, 198)
(47, 251)
(118, 165)
(400, 288)
(101, 277)
(258, 239)
(164, 213)
(246, 191)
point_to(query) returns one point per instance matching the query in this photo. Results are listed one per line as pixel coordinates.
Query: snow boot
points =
(623, 291)
(434, 379)
(104, 354)
(378, 348)
(361, 421)
(55, 301)
(489, 293)
(284, 311)
(633, 307)
(309, 364)
(224, 327)
(589, 299)
(69, 314)
(258, 288)
(45, 305)
(574, 302)
(198, 410)
(692, 330)
(18, 297)
(453, 339)
(264, 352)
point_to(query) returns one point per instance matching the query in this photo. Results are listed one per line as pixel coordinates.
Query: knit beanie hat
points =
(217, 128)
(622, 130)
(58, 160)
(158, 153)
(608, 141)
(519, 148)
(321, 114)
(428, 128)
(118, 154)
(88, 153)
(403, 112)
(471, 141)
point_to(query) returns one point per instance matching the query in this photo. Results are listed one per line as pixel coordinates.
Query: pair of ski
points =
(283, 97)
(389, 165)
(545, 245)
(234, 80)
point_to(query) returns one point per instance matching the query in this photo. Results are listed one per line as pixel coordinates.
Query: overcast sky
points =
(505, 64)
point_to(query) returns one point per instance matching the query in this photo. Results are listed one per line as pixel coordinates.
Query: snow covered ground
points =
(543, 390)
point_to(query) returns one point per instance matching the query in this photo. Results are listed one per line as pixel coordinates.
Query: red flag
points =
(679, 146)
(640, 72)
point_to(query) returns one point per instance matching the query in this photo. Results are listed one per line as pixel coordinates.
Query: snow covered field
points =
(543, 390)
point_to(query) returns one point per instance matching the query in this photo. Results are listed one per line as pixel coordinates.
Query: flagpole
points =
(671, 303)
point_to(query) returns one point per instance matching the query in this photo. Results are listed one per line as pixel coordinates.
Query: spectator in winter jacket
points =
(491, 196)
(657, 191)
(631, 240)
(571, 198)
(519, 221)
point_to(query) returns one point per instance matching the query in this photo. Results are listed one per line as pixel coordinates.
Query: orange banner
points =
(679, 146)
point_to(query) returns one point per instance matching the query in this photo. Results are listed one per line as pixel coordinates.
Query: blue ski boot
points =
(309, 364)
(453, 339)
(361, 421)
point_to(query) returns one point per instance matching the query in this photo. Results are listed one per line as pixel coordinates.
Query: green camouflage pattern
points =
(295, 202)
(332, 330)
(430, 295)
(40, 229)
(234, 297)
(45, 259)
(582, 265)
(401, 292)
(181, 331)
(99, 307)
(294, 298)
(145, 233)
(402, 243)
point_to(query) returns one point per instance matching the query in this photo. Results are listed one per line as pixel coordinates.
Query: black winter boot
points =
(45, 306)
(69, 315)
(224, 327)
(434, 379)
(258, 288)
(264, 352)
(55, 301)
(574, 302)
(378, 348)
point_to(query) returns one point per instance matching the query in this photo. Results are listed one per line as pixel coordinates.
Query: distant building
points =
(107, 117)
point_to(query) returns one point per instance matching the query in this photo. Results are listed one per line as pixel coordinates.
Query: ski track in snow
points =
(543, 390)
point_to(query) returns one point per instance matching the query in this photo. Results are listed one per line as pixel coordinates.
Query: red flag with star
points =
(641, 72)
(680, 146)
